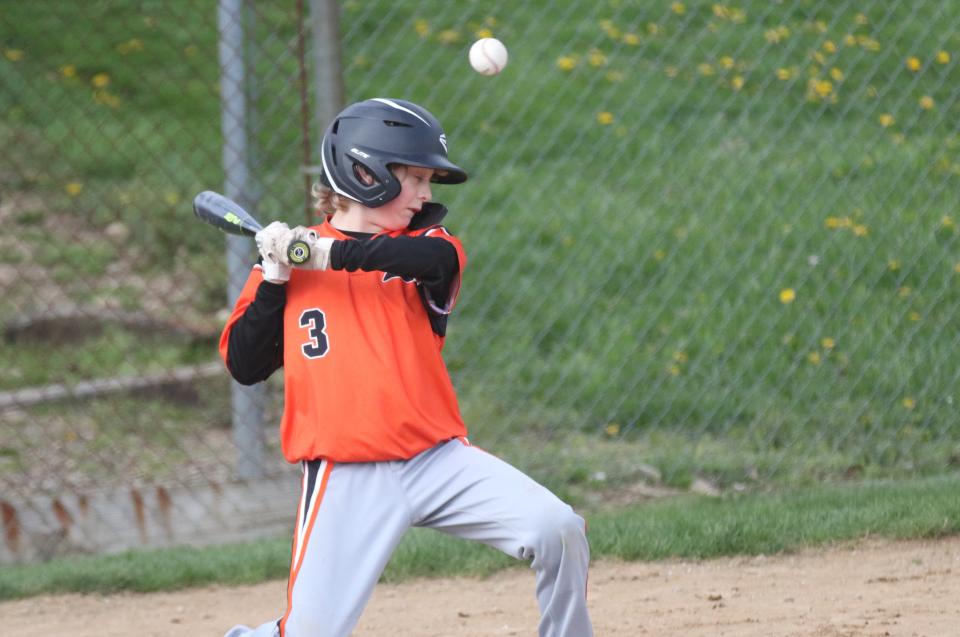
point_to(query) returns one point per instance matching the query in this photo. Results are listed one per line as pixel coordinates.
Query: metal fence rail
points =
(709, 243)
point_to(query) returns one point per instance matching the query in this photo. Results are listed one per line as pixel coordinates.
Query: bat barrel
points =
(225, 214)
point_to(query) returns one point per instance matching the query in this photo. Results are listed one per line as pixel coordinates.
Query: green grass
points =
(624, 280)
(683, 527)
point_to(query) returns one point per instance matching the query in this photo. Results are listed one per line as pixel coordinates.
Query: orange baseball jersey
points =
(364, 379)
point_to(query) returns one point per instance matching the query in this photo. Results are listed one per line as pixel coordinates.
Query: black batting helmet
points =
(376, 133)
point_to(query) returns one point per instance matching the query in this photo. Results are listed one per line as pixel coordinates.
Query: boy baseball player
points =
(370, 412)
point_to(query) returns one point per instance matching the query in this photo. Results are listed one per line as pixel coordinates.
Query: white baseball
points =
(488, 56)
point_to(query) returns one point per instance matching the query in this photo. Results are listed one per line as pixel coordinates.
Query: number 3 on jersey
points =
(316, 324)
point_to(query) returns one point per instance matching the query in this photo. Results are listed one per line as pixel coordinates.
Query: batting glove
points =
(272, 244)
(319, 248)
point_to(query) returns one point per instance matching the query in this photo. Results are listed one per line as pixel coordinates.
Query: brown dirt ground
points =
(869, 588)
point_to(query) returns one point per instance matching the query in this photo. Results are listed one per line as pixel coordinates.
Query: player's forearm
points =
(429, 259)
(255, 342)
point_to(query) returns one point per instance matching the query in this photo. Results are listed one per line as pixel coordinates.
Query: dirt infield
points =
(871, 588)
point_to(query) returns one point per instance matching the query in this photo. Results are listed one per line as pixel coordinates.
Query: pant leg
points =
(467, 492)
(351, 518)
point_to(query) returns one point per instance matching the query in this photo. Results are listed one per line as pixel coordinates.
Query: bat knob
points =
(298, 252)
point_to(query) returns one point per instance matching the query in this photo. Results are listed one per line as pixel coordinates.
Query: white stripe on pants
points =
(454, 488)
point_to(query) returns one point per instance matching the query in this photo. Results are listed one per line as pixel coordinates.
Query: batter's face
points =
(414, 192)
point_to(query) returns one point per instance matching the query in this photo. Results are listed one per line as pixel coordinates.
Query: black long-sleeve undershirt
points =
(255, 343)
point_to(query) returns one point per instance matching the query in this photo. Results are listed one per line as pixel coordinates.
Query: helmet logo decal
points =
(359, 153)
(399, 108)
(443, 142)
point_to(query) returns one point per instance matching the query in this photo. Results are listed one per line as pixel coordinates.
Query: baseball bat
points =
(226, 214)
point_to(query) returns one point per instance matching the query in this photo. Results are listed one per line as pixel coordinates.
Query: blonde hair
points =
(328, 202)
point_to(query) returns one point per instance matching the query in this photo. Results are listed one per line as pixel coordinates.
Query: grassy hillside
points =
(717, 238)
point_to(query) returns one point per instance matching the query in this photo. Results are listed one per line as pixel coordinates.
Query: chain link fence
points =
(710, 244)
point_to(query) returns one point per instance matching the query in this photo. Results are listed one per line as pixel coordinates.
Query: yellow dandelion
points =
(14, 55)
(904, 291)
(829, 46)
(832, 222)
(926, 102)
(614, 76)
(861, 230)
(908, 403)
(820, 26)
(73, 188)
(130, 46)
(943, 57)
(738, 16)
(491, 21)
(484, 32)
(836, 74)
(68, 70)
(567, 63)
(612, 429)
(659, 255)
(818, 57)
(737, 82)
(823, 88)
(814, 358)
(680, 356)
(850, 40)
(872, 91)
(827, 343)
(671, 71)
(604, 118)
(868, 43)
(861, 19)
(721, 11)
(679, 8)
(898, 138)
(100, 80)
(914, 316)
(674, 370)
(893, 265)
(596, 58)
(631, 39)
(107, 98)
(422, 27)
(653, 28)
(946, 221)
(608, 28)
(887, 120)
(449, 36)
(787, 295)
(726, 62)
(705, 69)
(772, 36)
(787, 339)
(956, 267)
(913, 64)
(784, 74)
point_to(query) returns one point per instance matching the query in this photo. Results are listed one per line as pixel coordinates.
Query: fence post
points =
(327, 63)
(248, 403)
